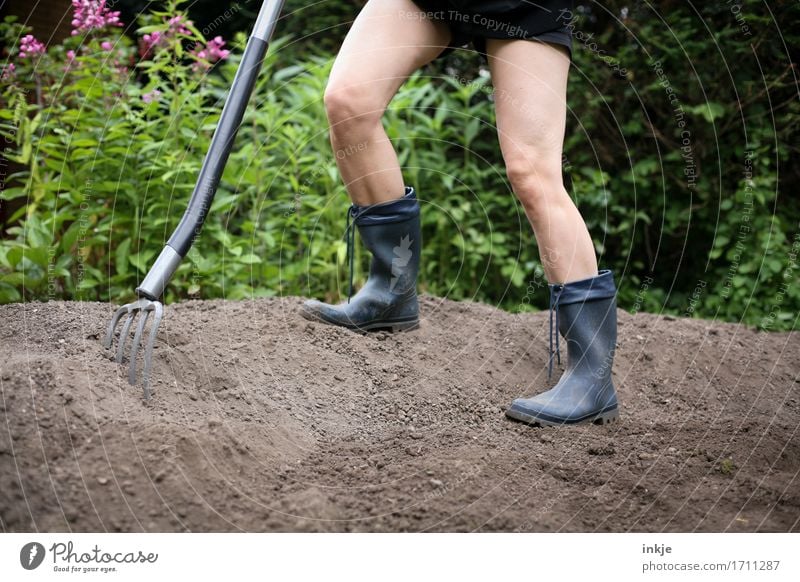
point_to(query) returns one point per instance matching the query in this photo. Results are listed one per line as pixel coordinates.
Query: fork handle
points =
(191, 223)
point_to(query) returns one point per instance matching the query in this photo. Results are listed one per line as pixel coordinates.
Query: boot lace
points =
(353, 214)
(555, 296)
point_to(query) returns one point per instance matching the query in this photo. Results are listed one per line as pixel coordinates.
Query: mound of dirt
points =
(262, 421)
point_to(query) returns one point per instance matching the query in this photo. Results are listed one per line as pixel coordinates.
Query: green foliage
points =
(708, 230)
(320, 25)
(680, 165)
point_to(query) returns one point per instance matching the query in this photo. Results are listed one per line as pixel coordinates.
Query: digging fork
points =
(152, 288)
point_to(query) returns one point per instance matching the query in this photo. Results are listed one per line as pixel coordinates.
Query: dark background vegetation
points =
(94, 181)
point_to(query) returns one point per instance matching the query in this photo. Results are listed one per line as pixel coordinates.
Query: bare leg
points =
(387, 42)
(530, 80)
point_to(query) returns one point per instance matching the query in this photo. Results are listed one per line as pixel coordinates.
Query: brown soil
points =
(262, 421)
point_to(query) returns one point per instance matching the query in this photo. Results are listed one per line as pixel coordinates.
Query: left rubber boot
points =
(388, 300)
(586, 315)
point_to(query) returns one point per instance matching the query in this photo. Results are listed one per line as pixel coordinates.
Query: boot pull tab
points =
(555, 296)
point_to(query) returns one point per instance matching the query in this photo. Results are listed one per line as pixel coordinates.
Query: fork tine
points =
(148, 352)
(137, 341)
(146, 306)
(109, 339)
(123, 337)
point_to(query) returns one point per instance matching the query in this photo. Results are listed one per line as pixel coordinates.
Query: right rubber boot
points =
(586, 314)
(388, 300)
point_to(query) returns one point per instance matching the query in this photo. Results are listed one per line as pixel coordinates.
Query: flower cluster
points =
(155, 39)
(177, 25)
(8, 72)
(151, 96)
(30, 47)
(91, 15)
(210, 53)
(68, 66)
(150, 42)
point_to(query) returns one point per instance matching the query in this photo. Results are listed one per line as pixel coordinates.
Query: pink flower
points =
(91, 15)
(151, 96)
(211, 53)
(215, 50)
(149, 42)
(106, 46)
(30, 47)
(8, 72)
(70, 61)
(177, 26)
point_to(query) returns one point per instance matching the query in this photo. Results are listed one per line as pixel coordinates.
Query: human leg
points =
(530, 80)
(387, 42)
(384, 46)
(530, 83)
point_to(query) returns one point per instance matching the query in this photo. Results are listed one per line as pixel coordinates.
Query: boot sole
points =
(393, 326)
(603, 418)
(396, 326)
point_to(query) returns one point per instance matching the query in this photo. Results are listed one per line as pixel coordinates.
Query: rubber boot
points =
(388, 300)
(586, 315)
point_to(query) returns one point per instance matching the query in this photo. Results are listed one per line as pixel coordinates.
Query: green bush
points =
(108, 174)
(681, 163)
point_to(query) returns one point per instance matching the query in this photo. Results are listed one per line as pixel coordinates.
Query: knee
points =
(350, 108)
(538, 183)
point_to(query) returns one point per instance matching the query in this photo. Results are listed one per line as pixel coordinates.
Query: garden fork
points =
(152, 288)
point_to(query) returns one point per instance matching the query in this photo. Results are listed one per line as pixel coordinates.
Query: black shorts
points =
(475, 21)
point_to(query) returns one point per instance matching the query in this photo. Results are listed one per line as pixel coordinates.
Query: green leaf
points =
(13, 193)
(83, 143)
(121, 256)
(38, 255)
(142, 260)
(16, 279)
(249, 259)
